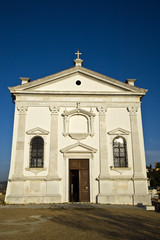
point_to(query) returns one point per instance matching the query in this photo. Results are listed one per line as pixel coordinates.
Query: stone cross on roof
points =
(78, 53)
(78, 61)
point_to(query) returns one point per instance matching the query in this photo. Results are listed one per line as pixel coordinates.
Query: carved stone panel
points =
(78, 123)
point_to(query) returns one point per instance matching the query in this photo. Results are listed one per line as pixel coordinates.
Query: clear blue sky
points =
(119, 38)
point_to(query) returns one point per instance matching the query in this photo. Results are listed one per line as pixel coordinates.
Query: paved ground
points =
(80, 222)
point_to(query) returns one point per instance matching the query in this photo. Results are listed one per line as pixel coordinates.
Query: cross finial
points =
(78, 61)
(78, 53)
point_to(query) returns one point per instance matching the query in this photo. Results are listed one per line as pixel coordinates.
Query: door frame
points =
(83, 152)
(66, 185)
(79, 170)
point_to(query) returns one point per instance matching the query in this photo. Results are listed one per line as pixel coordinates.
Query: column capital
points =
(132, 111)
(54, 109)
(22, 109)
(102, 110)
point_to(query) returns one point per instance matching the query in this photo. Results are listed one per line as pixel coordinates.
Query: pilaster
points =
(136, 151)
(104, 168)
(19, 155)
(53, 158)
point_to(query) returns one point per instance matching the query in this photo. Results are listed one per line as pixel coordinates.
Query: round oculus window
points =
(78, 82)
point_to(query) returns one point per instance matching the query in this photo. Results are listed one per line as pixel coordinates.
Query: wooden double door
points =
(79, 180)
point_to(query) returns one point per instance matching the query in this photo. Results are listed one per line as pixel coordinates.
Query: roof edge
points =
(75, 69)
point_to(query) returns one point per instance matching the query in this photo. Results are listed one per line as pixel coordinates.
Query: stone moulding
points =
(37, 131)
(34, 178)
(84, 148)
(119, 131)
(115, 178)
(35, 170)
(78, 136)
(120, 170)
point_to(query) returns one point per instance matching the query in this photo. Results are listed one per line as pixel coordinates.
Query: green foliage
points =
(154, 177)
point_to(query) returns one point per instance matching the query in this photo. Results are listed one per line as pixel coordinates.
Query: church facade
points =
(77, 138)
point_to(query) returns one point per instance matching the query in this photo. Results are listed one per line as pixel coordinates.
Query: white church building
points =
(77, 138)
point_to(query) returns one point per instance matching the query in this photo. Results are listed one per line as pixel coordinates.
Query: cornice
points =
(73, 70)
(93, 93)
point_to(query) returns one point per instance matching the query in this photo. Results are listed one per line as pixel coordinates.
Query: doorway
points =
(74, 185)
(79, 180)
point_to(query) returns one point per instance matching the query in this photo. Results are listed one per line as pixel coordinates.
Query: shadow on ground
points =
(84, 224)
(112, 224)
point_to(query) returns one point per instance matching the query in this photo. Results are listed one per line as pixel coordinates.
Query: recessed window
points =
(120, 152)
(36, 152)
(78, 82)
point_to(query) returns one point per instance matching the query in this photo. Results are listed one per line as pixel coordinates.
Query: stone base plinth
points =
(36, 191)
(33, 199)
(124, 199)
(144, 199)
(115, 199)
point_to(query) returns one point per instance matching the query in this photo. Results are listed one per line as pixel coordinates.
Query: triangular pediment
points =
(118, 131)
(78, 148)
(77, 80)
(37, 131)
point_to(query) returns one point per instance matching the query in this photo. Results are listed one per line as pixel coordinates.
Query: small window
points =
(78, 82)
(120, 152)
(36, 152)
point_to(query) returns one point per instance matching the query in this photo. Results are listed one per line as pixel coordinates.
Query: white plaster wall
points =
(119, 118)
(37, 117)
